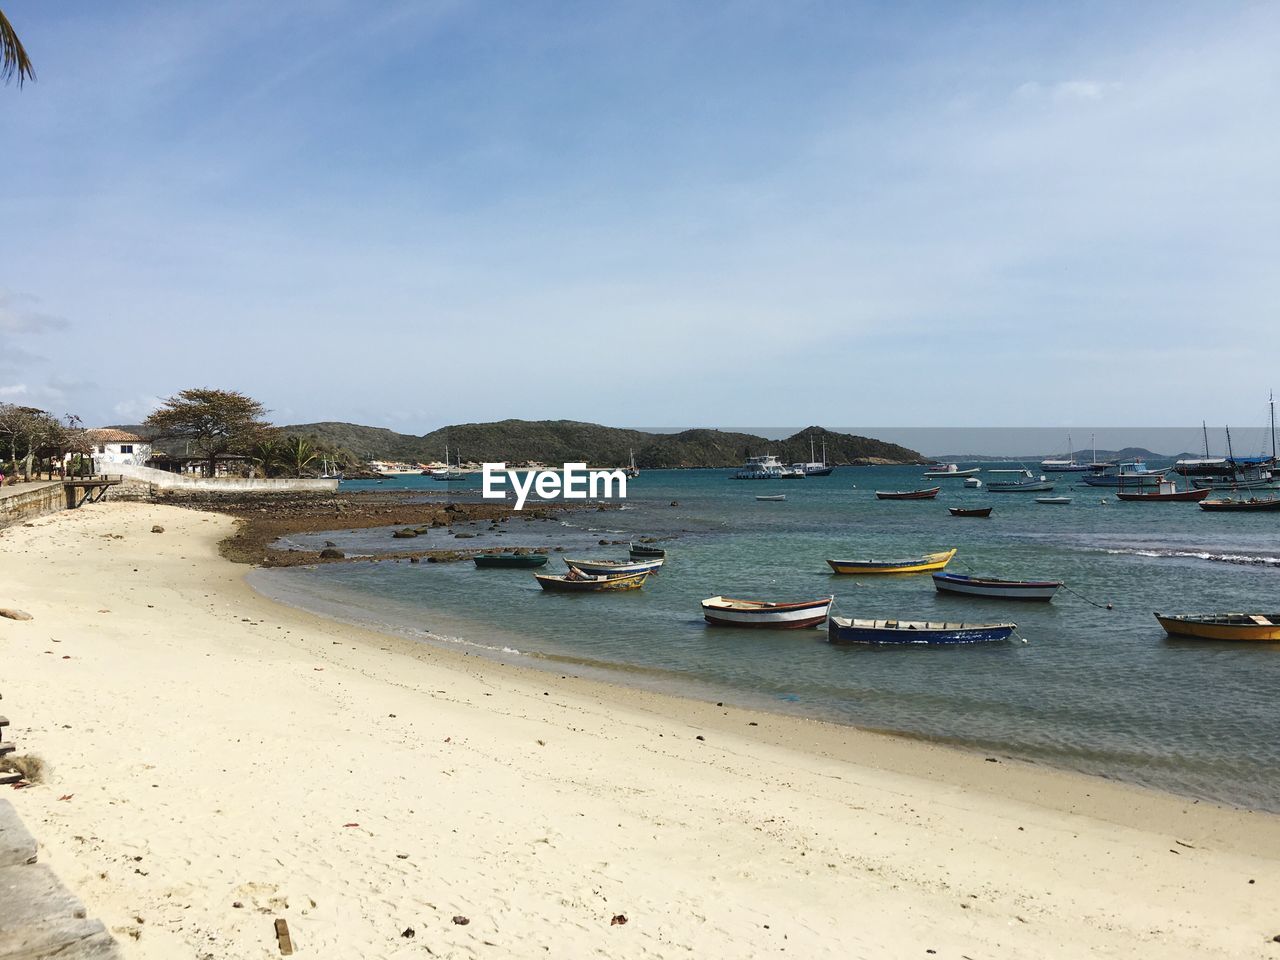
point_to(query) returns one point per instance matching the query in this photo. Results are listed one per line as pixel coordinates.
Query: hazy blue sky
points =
(692, 213)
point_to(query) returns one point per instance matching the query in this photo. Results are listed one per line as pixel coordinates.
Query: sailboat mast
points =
(1271, 399)
(1205, 427)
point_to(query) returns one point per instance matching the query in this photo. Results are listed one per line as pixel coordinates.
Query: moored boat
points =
(1055, 501)
(1222, 626)
(615, 568)
(728, 612)
(1027, 482)
(928, 494)
(1239, 503)
(848, 630)
(522, 561)
(973, 482)
(1168, 492)
(949, 471)
(762, 468)
(773, 498)
(1129, 473)
(969, 511)
(576, 582)
(644, 551)
(995, 588)
(929, 562)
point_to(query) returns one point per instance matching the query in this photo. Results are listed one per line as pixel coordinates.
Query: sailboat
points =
(331, 474)
(815, 468)
(1069, 465)
(449, 472)
(1251, 503)
(632, 471)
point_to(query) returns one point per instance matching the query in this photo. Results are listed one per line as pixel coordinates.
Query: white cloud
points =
(136, 409)
(13, 390)
(18, 316)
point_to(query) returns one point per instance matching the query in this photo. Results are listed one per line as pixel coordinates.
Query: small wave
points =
(1241, 558)
(464, 642)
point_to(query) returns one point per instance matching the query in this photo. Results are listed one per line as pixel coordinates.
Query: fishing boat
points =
(1168, 492)
(907, 494)
(1232, 472)
(518, 560)
(727, 612)
(761, 468)
(643, 551)
(1128, 473)
(847, 630)
(773, 498)
(1237, 503)
(615, 568)
(969, 511)
(1054, 501)
(577, 582)
(995, 588)
(925, 564)
(1222, 626)
(1027, 482)
(949, 471)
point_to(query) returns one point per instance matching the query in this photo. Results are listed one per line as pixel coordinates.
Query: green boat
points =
(523, 561)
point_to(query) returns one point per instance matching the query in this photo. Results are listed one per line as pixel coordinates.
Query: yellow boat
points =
(1222, 626)
(930, 561)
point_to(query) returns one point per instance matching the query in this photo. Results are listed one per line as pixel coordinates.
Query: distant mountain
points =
(1081, 456)
(563, 441)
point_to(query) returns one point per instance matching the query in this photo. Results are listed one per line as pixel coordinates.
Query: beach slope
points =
(216, 761)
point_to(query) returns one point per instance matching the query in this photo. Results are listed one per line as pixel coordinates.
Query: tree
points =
(14, 61)
(29, 432)
(298, 454)
(266, 453)
(214, 422)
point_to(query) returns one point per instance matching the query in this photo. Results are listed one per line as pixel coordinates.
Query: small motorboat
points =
(1234, 503)
(907, 494)
(1056, 501)
(643, 551)
(728, 612)
(995, 588)
(1027, 482)
(930, 561)
(1167, 493)
(1222, 626)
(522, 561)
(577, 582)
(846, 630)
(775, 498)
(973, 482)
(969, 511)
(615, 568)
(949, 471)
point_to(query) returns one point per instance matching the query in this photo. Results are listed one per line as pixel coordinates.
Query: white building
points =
(116, 446)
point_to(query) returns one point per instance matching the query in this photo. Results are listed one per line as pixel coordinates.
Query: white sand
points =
(215, 746)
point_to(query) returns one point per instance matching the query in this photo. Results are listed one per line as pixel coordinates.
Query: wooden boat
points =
(907, 494)
(1167, 493)
(727, 612)
(995, 588)
(930, 561)
(775, 498)
(1222, 626)
(1056, 501)
(1233, 503)
(969, 511)
(949, 471)
(576, 582)
(643, 551)
(518, 560)
(846, 630)
(615, 568)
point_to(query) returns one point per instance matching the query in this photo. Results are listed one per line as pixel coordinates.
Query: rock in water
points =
(328, 553)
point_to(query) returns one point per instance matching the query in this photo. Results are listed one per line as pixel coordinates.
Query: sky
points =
(410, 214)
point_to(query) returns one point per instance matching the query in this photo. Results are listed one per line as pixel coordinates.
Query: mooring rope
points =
(1100, 606)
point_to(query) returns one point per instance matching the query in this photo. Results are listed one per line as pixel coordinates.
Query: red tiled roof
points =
(107, 435)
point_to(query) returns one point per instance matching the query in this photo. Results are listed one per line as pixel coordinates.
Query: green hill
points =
(563, 441)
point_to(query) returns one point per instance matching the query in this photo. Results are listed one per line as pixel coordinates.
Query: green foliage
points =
(214, 422)
(297, 453)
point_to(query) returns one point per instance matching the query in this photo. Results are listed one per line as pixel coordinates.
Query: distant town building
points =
(108, 446)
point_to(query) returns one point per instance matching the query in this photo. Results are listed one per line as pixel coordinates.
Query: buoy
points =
(1109, 607)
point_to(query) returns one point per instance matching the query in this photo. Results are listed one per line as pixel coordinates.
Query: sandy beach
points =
(216, 760)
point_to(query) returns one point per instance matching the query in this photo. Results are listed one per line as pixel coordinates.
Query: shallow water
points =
(1098, 690)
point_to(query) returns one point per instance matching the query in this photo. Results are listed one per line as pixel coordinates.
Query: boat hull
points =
(598, 568)
(524, 561)
(647, 553)
(908, 494)
(1250, 504)
(967, 512)
(1019, 486)
(914, 632)
(1042, 590)
(1181, 496)
(560, 584)
(1222, 626)
(754, 614)
(949, 474)
(934, 561)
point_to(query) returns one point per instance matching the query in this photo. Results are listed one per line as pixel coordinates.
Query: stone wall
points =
(25, 501)
(146, 483)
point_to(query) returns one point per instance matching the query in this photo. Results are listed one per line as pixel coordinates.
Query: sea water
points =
(1099, 690)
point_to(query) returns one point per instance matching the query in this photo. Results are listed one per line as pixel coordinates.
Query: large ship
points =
(767, 467)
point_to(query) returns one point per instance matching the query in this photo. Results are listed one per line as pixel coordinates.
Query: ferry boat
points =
(1128, 473)
(767, 467)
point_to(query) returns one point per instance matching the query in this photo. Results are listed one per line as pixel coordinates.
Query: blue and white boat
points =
(896, 632)
(994, 588)
(1129, 473)
(1026, 482)
(615, 568)
(762, 468)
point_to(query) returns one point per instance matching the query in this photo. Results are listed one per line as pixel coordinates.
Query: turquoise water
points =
(1098, 690)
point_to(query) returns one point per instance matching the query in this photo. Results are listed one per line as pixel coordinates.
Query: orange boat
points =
(1222, 626)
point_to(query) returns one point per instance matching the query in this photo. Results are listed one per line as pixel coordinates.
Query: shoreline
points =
(225, 738)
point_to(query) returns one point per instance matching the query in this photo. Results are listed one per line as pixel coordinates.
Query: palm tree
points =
(14, 61)
(298, 454)
(266, 453)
